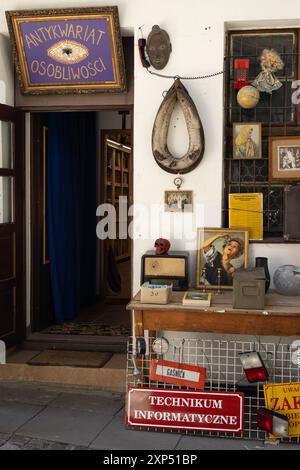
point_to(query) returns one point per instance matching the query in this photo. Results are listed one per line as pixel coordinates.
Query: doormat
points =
(89, 328)
(70, 358)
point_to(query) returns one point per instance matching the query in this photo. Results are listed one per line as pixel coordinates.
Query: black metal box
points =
(172, 267)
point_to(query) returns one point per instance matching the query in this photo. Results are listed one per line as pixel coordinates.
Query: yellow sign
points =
(285, 399)
(246, 211)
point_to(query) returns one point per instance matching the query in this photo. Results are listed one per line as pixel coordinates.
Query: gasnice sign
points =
(178, 374)
(180, 409)
(285, 399)
(68, 49)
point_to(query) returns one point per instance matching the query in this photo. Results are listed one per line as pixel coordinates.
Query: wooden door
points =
(12, 236)
(42, 300)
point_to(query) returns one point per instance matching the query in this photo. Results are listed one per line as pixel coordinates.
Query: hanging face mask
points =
(266, 80)
(158, 47)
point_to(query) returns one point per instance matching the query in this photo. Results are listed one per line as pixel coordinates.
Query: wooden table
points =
(280, 317)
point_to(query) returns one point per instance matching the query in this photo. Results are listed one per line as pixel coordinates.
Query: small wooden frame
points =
(178, 201)
(75, 50)
(247, 140)
(284, 159)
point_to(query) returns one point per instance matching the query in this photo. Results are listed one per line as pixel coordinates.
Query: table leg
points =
(138, 327)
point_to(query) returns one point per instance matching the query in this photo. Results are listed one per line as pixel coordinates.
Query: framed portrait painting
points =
(247, 142)
(75, 50)
(220, 252)
(284, 159)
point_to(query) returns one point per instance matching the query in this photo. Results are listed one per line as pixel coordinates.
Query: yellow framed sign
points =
(75, 50)
(246, 210)
(285, 399)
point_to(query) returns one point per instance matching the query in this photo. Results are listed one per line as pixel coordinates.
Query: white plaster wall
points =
(196, 30)
(6, 72)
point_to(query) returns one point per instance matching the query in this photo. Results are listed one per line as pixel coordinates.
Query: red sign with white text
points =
(176, 373)
(182, 409)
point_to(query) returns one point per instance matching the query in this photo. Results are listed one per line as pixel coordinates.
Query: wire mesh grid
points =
(224, 373)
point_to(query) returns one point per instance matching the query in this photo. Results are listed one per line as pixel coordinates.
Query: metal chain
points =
(185, 78)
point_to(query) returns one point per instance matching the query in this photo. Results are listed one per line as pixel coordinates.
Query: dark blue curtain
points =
(71, 195)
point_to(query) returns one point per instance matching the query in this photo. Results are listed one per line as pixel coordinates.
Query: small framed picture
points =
(284, 159)
(178, 201)
(220, 252)
(247, 141)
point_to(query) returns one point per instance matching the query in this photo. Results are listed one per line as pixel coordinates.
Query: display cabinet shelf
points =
(116, 182)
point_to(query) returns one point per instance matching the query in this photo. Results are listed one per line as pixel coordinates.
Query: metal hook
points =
(181, 351)
(141, 31)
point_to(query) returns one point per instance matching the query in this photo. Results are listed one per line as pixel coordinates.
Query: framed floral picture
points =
(284, 159)
(220, 252)
(247, 143)
(75, 50)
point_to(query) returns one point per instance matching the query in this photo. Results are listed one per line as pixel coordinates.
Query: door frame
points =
(103, 243)
(34, 338)
(37, 223)
(11, 114)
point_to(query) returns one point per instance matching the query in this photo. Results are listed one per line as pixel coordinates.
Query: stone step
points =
(110, 377)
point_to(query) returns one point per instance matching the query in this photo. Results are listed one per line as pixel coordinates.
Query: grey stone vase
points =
(285, 281)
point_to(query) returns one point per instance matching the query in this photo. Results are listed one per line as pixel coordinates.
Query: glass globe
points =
(248, 97)
(285, 281)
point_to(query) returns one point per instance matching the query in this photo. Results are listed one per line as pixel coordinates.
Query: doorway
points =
(80, 285)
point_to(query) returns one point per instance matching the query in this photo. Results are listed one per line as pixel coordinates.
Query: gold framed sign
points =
(67, 50)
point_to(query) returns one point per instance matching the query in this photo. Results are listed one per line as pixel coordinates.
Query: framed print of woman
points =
(220, 253)
(247, 141)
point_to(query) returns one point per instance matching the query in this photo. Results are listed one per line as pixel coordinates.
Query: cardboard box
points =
(155, 293)
(249, 289)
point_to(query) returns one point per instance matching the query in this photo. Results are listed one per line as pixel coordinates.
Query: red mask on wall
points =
(162, 246)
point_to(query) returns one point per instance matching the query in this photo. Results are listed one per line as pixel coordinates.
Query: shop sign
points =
(177, 373)
(285, 399)
(67, 50)
(182, 409)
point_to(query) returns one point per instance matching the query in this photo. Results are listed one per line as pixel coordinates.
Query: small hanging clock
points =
(160, 346)
(178, 182)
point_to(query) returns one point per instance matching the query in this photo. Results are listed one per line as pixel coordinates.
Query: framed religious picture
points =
(284, 159)
(247, 144)
(178, 201)
(75, 50)
(220, 252)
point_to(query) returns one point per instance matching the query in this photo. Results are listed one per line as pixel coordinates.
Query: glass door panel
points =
(6, 144)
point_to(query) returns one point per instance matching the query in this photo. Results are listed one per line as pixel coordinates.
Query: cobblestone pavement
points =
(13, 442)
(40, 417)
